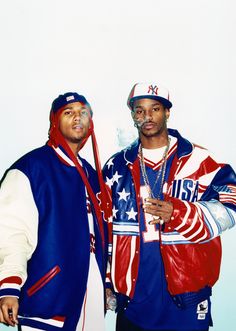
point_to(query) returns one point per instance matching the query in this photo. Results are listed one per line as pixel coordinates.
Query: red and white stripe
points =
(57, 321)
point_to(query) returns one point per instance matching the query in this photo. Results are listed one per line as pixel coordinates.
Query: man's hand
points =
(110, 300)
(9, 310)
(161, 210)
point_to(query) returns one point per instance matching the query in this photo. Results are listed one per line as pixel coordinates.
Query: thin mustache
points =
(79, 125)
(139, 124)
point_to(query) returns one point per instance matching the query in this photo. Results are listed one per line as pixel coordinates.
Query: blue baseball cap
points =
(69, 97)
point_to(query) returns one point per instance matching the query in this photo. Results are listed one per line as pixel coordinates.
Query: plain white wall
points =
(100, 49)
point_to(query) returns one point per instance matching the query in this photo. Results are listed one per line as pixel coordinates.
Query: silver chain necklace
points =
(161, 173)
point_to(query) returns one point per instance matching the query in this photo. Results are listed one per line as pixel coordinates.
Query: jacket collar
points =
(184, 147)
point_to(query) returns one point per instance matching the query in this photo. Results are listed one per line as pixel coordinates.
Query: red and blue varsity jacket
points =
(203, 193)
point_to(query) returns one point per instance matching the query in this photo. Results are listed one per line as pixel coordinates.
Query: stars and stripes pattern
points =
(201, 221)
(129, 214)
(203, 193)
(227, 194)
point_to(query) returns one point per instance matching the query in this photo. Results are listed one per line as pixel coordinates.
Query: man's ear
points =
(132, 114)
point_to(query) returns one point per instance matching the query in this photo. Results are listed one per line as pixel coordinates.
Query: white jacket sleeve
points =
(18, 229)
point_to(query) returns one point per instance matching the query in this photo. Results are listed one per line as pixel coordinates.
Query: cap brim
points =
(166, 103)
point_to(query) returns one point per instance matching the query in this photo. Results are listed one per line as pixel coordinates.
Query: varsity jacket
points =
(45, 238)
(203, 194)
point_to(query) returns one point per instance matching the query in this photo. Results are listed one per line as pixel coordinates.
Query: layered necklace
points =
(160, 175)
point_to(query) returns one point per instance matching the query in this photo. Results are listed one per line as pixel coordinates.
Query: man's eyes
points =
(67, 112)
(83, 112)
(139, 111)
(142, 111)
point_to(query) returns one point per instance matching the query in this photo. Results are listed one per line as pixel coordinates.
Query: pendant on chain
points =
(160, 175)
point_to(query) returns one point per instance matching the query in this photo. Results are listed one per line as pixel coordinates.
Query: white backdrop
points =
(100, 49)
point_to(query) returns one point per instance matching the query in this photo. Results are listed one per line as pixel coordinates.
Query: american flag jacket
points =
(203, 193)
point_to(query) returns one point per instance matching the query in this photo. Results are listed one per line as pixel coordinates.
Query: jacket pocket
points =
(44, 280)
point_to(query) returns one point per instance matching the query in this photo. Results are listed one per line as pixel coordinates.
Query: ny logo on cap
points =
(71, 97)
(152, 89)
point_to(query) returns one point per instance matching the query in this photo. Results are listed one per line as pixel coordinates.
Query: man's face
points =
(150, 117)
(74, 123)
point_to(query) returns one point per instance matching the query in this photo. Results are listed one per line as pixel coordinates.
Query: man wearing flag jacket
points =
(171, 202)
(52, 238)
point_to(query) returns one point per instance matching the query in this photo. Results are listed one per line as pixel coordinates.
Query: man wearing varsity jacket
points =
(171, 202)
(52, 234)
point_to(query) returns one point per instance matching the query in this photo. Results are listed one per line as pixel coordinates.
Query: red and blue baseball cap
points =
(149, 91)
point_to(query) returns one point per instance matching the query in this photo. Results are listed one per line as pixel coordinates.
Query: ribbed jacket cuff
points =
(10, 287)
